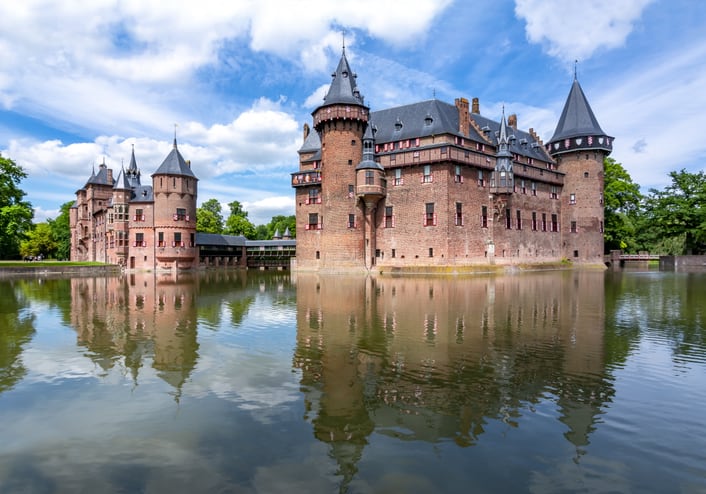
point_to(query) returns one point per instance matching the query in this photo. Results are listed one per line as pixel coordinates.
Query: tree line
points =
(667, 221)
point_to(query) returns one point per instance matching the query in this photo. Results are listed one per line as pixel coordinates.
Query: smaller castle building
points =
(118, 220)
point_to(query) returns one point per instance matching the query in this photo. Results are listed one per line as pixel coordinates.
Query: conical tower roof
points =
(578, 126)
(174, 164)
(343, 89)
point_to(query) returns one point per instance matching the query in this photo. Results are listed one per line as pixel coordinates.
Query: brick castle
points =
(120, 221)
(435, 184)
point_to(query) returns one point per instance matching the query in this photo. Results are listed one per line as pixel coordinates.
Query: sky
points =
(83, 82)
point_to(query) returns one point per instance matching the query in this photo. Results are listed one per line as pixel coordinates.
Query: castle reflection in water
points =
(412, 358)
(432, 359)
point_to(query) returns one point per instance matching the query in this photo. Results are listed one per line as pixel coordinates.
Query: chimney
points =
(110, 175)
(463, 116)
(188, 163)
(476, 106)
(306, 131)
(512, 121)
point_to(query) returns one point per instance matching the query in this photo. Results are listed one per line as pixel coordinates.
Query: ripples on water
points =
(235, 382)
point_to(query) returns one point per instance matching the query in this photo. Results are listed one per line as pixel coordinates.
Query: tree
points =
(238, 222)
(622, 202)
(39, 241)
(15, 213)
(679, 211)
(61, 230)
(209, 217)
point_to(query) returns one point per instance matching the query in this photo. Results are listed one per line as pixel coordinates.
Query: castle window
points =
(444, 149)
(427, 177)
(177, 240)
(554, 192)
(601, 199)
(458, 220)
(369, 177)
(314, 197)
(160, 239)
(518, 219)
(398, 177)
(140, 240)
(481, 180)
(572, 198)
(389, 217)
(431, 251)
(192, 239)
(318, 254)
(180, 214)
(555, 223)
(534, 221)
(429, 215)
(544, 222)
(508, 219)
(351, 221)
(350, 162)
(601, 227)
(484, 216)
(139, 215)
(350, 191)
(522, 186)
(352, 142)
(573, 227)
(174, 183)
(585, 174)
(533, 186)
(458, 178)
(313, 222)
(393, 253)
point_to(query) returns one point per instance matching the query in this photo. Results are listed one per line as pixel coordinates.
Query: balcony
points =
(302, 179)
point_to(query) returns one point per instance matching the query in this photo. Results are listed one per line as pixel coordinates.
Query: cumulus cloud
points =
(572, 29)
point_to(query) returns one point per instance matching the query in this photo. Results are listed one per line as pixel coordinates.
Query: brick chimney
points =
(463, 116)
(306, 131)
(476, 106)
(512, 121)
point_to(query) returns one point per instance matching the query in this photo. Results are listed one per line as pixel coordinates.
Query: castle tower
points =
(501, 180)
(120, 226)
(175, 191)
(579, 146)
(331, 225)
(371, 186)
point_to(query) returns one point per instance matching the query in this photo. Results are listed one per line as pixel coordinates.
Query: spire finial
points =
(576, 62)
(175, 128)
(343, 37)
(433, 93)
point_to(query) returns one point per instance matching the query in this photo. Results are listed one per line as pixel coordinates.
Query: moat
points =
(235, 381)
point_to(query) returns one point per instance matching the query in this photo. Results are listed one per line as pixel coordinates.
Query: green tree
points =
(39, 241)
(678, 211)
(61, 230)
(238, 222)
(209, 217)
(622, 201)
(281, 224)
(15, 213)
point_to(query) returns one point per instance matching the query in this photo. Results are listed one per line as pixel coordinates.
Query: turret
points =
(579, 146)
(501, 180)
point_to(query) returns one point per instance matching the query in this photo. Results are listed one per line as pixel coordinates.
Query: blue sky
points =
(80, 83)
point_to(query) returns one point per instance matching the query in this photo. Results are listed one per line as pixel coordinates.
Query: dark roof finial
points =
(576, 62)
(175, 127)
(343, 36)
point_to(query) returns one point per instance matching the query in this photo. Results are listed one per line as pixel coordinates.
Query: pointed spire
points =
(343, 89)
(133, 162)
(503, 141)
(578, 125)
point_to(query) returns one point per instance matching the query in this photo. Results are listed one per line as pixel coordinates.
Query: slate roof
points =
(520, 142)
(431, 117)
(122, 183)
(218, 239)
(577, 118)
(100, 178)
(343, 89)
(142, 193)
(174, 164)
(312, 143)
(368, 162)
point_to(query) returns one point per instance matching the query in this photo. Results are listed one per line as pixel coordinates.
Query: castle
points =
(435, 184)
(120, 221)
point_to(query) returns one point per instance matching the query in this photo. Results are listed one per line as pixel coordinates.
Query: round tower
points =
(175, 191)
(341, 122)
(370, 187)
(579, 146)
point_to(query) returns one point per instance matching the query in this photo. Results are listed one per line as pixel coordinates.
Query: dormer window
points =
(428, 120)
(398, 125)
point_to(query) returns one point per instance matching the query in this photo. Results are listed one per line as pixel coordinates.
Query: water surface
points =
(261, 382)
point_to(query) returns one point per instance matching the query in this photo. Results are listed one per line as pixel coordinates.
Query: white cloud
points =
(574, 29)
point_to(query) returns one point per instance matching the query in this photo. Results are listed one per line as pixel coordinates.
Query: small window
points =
(369, 177)
(427, 177)
(429, 215)
(573, 227)
(431, 251)
(508, 219)
(351, 221)
(394, 253)
(398, 177)
(518, 220)
(484, 216)
(572, 198)
(458, 220)
(389, 217)
(585, 174)
(350, 190)
(352, 142)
